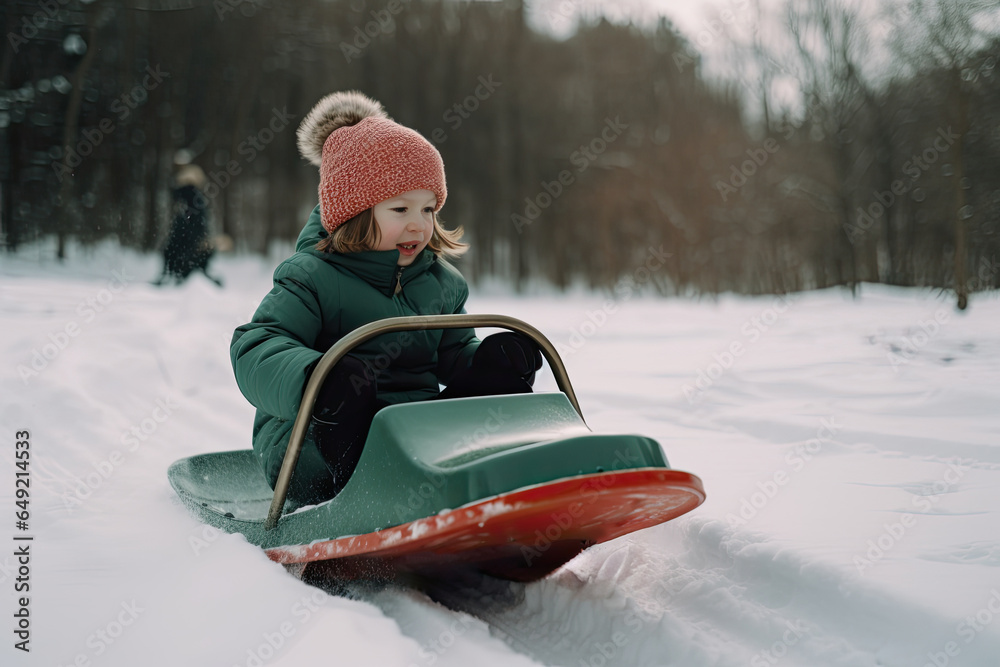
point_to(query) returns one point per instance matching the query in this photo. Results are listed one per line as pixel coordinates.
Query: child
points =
(372, 249)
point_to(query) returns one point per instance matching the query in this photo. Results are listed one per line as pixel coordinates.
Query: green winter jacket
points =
(318, 298)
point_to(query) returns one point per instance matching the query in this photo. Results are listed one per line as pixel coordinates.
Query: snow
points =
(849, 449)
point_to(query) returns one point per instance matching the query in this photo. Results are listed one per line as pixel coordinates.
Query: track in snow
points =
(717, 593)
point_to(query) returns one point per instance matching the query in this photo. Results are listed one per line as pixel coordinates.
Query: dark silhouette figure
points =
(189, 247)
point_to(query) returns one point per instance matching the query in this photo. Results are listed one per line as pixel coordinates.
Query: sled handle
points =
(391, 325)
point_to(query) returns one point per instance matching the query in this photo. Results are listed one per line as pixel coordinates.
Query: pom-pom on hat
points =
(364, 157)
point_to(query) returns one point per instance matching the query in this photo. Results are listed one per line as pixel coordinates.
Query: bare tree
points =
(951, 36)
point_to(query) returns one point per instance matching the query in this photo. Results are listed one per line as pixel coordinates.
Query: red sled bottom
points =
(520, 536)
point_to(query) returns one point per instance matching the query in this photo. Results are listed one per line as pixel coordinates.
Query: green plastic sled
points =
(512, 486)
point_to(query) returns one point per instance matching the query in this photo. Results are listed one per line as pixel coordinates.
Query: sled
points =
(511, 486)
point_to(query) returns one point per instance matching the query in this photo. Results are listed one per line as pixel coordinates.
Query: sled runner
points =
(512, 486)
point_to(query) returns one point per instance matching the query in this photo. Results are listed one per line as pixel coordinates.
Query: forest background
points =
(842, 143)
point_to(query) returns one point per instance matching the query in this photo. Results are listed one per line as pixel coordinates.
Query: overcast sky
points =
(708, 24)
(701, 21)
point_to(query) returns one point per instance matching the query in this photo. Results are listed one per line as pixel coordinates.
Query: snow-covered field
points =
(850, 450)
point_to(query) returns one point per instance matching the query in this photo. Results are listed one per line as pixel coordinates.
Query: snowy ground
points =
(850, 450)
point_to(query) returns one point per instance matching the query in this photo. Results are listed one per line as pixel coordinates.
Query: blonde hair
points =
(361, 233)
(191, 174)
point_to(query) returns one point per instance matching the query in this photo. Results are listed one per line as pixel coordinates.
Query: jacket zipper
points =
(399, 281)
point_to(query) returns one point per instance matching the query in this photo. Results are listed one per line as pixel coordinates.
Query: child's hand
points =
(509, 350)
(350, 382)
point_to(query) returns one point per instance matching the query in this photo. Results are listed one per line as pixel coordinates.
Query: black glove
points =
(350, 382)
(509, 350)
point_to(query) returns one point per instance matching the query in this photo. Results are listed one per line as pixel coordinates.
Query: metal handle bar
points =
(390, 325)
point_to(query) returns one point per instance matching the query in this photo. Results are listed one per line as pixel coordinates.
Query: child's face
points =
(405, 223)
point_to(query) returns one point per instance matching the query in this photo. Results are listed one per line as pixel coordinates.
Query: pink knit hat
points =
(364, 157)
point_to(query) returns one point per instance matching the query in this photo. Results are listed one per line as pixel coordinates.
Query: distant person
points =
(189, 247)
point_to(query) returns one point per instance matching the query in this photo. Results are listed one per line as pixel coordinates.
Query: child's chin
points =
(406, 260)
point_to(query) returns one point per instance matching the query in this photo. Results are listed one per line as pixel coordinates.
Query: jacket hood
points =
(312, 233)
(378, 268)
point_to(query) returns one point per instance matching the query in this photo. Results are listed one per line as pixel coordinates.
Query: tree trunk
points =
(72, 124)
(961, 282)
